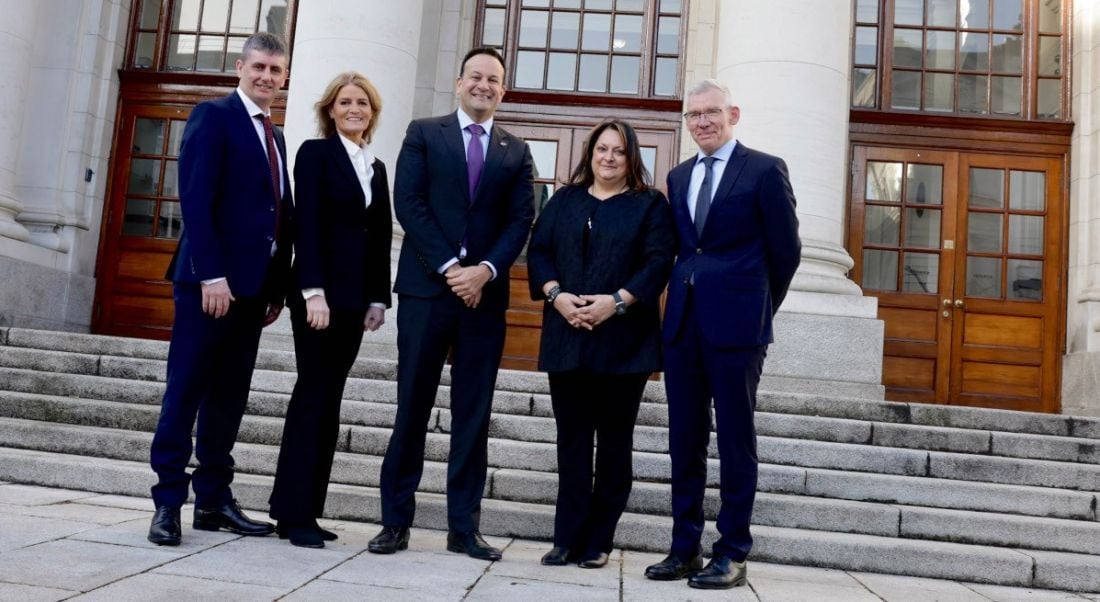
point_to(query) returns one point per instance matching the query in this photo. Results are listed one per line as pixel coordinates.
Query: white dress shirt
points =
(723, 155)
(464, 121)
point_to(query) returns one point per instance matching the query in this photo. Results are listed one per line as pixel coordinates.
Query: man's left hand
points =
(273, 311)
(467, 282)
(600, 308)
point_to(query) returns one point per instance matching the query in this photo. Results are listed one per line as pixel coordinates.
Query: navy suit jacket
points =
(228, 203)
(746, 257)
(431, 201)
(339, 244)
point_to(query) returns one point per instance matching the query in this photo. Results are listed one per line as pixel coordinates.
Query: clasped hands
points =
(585, 311)
(468, 282)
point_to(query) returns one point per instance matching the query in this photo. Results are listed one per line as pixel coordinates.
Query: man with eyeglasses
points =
(739, 248)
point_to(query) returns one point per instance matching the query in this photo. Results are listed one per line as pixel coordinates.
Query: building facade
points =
(942, 152)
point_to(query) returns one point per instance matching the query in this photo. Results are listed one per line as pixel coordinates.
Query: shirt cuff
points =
(309, 293)
(381, 306)
(453, 261)
(492, 268)
(214, 280)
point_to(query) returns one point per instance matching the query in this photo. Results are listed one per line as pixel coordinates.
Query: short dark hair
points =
(482, 50)
(265, 42)
(637, 176)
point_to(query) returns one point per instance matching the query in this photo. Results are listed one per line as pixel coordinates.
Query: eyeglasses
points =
(710, 114)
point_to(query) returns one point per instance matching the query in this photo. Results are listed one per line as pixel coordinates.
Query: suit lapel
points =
(733, 171)
(341, 158)
(494, 156)
(452, 137)
(682, 185)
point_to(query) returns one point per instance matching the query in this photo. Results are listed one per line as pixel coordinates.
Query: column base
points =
(36, 296)
(1080, 382)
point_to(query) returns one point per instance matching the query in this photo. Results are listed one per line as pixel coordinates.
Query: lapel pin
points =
(504, 143)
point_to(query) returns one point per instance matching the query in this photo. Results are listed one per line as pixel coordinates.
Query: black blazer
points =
(431, 200)
(630, 244)
(340, 245)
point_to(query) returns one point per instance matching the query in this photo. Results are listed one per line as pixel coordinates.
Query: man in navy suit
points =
(228, 277)
(464, 195)
(739, 249)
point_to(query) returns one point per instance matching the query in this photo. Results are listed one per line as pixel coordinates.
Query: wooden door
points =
(963, 252)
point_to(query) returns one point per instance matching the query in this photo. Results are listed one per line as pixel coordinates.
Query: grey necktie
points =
(702, 200)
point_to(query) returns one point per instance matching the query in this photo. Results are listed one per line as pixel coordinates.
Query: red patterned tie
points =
(273, 165)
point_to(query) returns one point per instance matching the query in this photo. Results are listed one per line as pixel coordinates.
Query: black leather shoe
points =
(229, 517)
(674, 569)
(389, 540)
(165, 529)
(720, 573)
(304, 536)
(326, 535)
(557, 556)
(593, 560)
(472, 545)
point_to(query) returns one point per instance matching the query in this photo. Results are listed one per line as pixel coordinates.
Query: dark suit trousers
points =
(427, 329)
(210, 363)
(696, 371)
(603, 405)
(312, 424)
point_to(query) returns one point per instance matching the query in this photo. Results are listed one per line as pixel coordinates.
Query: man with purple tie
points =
(464, 194)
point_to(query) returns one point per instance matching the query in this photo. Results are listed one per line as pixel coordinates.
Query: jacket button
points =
(270, 239)
(698, 251)
(273, 208)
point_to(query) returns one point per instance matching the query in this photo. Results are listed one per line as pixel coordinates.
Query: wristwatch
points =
(620, 305)
(553, 294)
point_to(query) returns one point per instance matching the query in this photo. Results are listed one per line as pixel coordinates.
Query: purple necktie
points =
(475, 158)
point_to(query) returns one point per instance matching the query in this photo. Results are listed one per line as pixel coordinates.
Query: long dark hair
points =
(637, 176)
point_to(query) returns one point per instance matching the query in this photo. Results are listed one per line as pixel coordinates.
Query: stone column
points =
(16, 42)
(787, 63)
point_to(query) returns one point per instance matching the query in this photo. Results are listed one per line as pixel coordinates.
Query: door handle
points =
(947, 303)
(959, 303)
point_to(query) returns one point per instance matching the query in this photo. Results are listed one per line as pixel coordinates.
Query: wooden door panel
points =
(910, 373)
(1002, 331)
(910, 324)
(1001, 379)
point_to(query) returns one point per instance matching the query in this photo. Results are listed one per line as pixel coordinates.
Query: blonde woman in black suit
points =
(341, 287)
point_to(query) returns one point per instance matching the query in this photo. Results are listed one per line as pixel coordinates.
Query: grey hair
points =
(264, 42)
(707, 85)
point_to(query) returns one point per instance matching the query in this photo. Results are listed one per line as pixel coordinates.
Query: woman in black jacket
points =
(341, 287)
(600, 255)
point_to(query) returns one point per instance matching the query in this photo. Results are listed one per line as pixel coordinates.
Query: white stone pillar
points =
(787, 63)
(16, 42)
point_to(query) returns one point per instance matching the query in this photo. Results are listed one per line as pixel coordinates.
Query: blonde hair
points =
(326, 125)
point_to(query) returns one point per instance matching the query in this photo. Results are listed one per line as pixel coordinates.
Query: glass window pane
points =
(1025, 279)
(983, 277)
(175, 137)
(181, 53)
(976, 16)
(593, 76)
(597, 32)
(1050, 17)
(973, 90)
(630, 5)
(867, 11)
(543, 192)
(1025, 234)
(665, 77)
(492, 33)
(866, 51)
(883, 181)
(496, 2)
(984, 232)
(882, 226)
(562, 71)
(144, 49)
(987, 187)
(1050, 99)
(185, 15)
(908, 12)
(565, 34)
(939, 50)
(148, 136)
(273, 16)
(215, 15)
(233, 49)
(138, 220)
(668, 35)
(941, 13)
(1008, 14)
(907, 47)
(1007, 53)
(597, 4)
(144, 177)
(671, 6)
(1050, 55)
(628, 33)
(1004, 95)
(924, 184)
(537, 3)
(243, 17)
(211, 53)
(1027, 190)
(649, 158)
(171, 179)
(567, 3)
(863, 88)
(529, 69)
(974, 52)
(905, 91)
(624, 74)
(880, 270)
(922, 228)
(533, 28)
(922, 273)
(544, 153)
(150, 14)
(939, 92)
(170, 220)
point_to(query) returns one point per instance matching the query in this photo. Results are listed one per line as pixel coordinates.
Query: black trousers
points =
(312, 424)
(588, 404)
(427, 329)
